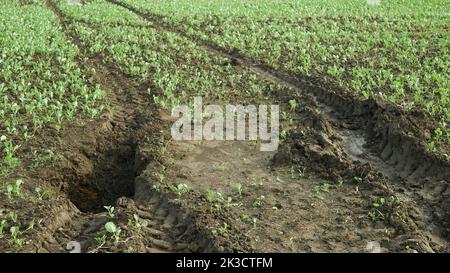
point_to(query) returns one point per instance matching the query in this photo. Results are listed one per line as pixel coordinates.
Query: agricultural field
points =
(397, 51)
(89, 161)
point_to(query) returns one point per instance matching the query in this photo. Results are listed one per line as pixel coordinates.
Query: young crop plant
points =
(239, 189)
(42, 84)
(292, 172)
(110, 211)
(340, 182)
(358, 179)
(319, 190)
(296, 171)
(137, 223)
(287, 117)
(42, 194)
(283, 136)
(161, 176)
(13, 216)
(114, 231)
(15, 233)
(259, 201)
(3, 223)
(42, 159)
(325, 187)
(179, 189)
(9, 150)
(254, 221)
(211, 196)
(375, 213)
(257, 184)
(157, 187)
(218, 199)
(293, 105)
(246, 218)
(363, 57)
(14, 189)
(101, 240)
(221, 229)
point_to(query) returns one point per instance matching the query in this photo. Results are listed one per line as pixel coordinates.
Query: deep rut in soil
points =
(369, 131)
(105, 158)
(118, 157)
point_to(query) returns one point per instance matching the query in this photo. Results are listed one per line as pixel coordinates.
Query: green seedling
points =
(13, 216)
(358, 179)
(15, 233)
(157, 187)
(375, 213)
(239, 189)
(221, 230)
(283, 136)
(340, 182)
(114, 231)
(379, 203)
(14, 189)
(137, 223)
(211, 196)
(259, 201)
(2, 226)
(293, 104)
(254, 222)
(100, 239)
(246, 217)
(325, 187)
(110, 210)
(179, 189)
(257, 184)
(42, 194)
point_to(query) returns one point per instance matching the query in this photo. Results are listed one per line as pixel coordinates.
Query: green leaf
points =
(110, 227)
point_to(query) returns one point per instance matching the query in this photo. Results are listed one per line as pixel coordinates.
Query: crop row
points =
(174, 68)
(397, 51)
(41, 84)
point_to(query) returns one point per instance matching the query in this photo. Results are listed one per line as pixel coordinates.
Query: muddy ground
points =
(316, 193)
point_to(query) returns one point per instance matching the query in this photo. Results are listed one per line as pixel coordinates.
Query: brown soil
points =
(101, 163)
(380, 136)
(345, 155)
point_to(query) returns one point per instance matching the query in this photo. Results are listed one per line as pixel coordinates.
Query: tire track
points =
(371, 131)
(400, 153)
(116, 154)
